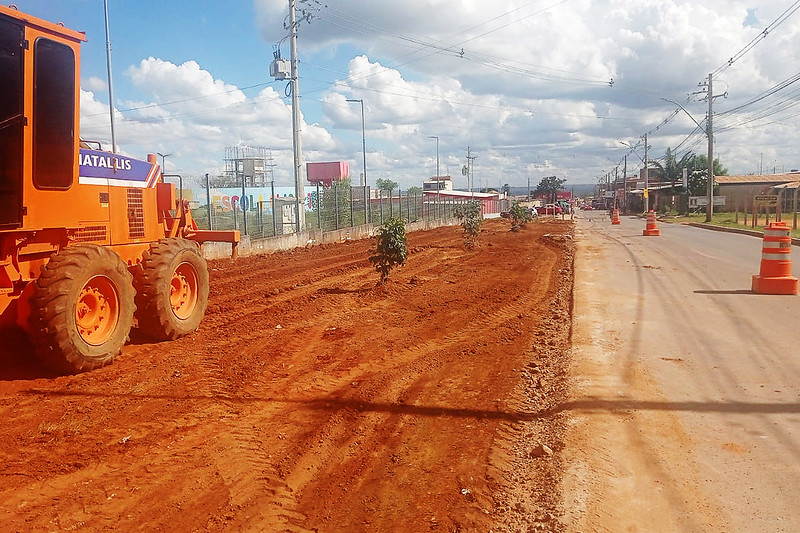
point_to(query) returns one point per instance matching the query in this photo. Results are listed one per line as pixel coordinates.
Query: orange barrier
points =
(615, 217)
(776, 262)
(652, 228)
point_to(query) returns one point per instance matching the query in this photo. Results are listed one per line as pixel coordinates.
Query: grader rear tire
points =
(172, 289)
(82, 309)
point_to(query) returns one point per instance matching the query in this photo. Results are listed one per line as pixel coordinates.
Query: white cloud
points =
(525, 84)
(194, 117)
(94, 84)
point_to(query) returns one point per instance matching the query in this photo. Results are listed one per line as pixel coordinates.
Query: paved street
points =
(687, 384)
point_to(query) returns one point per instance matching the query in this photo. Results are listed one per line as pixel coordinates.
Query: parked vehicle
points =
(549, 209)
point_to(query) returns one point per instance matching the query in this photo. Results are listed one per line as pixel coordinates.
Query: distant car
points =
(587, 207)
(549, 209)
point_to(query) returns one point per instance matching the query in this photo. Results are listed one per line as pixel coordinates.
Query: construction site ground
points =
(312, 399)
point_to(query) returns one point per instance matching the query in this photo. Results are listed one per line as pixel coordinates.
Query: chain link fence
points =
(329, 208)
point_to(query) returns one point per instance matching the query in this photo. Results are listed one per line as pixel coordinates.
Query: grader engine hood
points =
(103, 168)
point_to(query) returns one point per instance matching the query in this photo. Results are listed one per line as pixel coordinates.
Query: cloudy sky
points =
(533, 87)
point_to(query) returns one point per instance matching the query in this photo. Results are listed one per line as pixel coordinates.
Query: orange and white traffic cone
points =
(776, 262)
(651, 229)
(615, 217)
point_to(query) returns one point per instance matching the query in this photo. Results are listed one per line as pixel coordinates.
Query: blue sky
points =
(527, 86)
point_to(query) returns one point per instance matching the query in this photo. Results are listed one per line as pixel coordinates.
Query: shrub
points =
(519, 216)
(471, 217)
(391, 248)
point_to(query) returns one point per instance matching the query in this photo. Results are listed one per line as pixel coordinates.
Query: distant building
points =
(438, 183)
(490, 202)
(740, 190)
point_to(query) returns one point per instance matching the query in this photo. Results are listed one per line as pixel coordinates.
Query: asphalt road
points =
(685, 400)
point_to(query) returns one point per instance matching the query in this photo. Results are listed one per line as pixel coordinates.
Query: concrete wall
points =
(248, 246)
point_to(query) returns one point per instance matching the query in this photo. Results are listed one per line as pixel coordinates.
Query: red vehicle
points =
(549, 209)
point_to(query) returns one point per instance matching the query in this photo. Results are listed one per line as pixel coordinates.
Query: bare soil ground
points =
(311, 399)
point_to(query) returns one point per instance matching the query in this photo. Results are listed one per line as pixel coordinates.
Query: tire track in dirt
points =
(369, 409)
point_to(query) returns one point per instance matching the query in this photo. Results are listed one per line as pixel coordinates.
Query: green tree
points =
(698, 175)
(549, 187)
(386, 185)
(472, 219)
(506, 188)
(414, 191)
(391, 249)
(519, 216)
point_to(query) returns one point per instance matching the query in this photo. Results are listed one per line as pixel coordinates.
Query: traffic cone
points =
(615, 217)
(652, 228)
(776, 262)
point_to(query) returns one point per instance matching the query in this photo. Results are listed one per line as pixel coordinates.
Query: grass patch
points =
(728, 220)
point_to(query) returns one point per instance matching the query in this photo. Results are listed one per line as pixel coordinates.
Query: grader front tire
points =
(172, 289)
(82, 309)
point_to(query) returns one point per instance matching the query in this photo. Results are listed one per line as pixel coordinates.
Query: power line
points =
(760, 37)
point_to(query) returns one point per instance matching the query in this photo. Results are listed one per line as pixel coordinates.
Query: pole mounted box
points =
(280, 69)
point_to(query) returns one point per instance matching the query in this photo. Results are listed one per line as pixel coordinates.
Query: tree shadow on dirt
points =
(18, 360)
(339, 290)
(399, 408)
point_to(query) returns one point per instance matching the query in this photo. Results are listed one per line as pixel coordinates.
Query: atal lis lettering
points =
(105, 161)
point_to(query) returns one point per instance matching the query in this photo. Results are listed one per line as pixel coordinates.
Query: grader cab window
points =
(53, 115)
(11, 123)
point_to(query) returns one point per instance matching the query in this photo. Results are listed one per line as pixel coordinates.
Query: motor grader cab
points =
(90, 241)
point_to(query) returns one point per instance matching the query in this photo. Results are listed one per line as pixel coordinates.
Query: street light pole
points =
(646, 179)
(646, 175)
(363, 150)
(710, 135)
(163, 165)
(437, 152)
(438, 183)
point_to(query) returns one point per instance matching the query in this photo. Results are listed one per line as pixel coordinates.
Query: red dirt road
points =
(312, 400)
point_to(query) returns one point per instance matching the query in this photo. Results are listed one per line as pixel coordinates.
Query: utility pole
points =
(710, 133)
(616, 178)
(646, 179)
(298, 149)
(470, 168)
(625, 183)
(529, 189)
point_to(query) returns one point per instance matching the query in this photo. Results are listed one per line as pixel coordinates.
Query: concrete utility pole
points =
(363, 152)
(710, 133)
(470, 168)
(646, 179)
(298, 149)
(625, 183)
(438, 183)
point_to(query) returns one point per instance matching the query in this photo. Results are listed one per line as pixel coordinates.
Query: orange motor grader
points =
(90, 241)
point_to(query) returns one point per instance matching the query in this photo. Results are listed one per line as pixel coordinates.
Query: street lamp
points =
(646, 175)
(438, 183)
(437, 152)
(163, 156)
(363, 149)
(710, 181)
